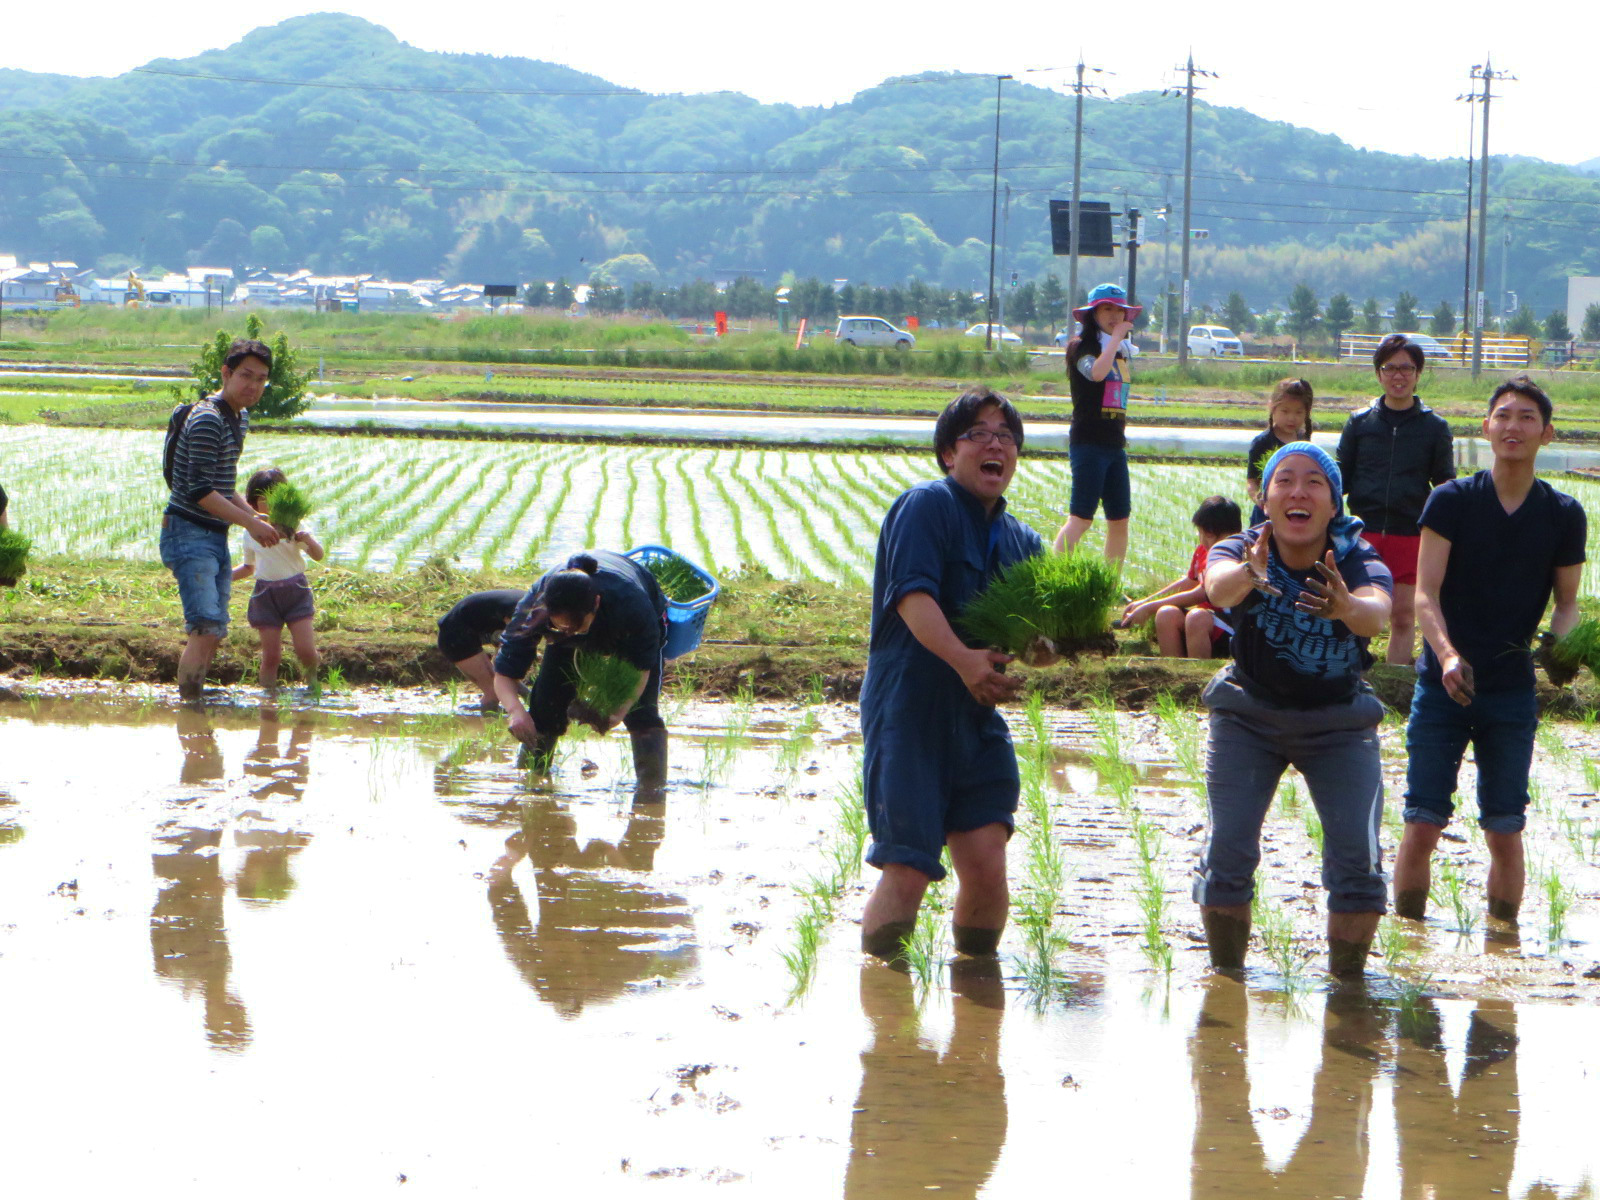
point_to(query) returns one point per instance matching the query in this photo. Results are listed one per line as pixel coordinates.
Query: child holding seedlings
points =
(282, 594)
(1495, 547)
(1187, 626)
(1304, 595)
(470, 623)
(939, 768)
(1288, 420)
(1391, 455)
(602, 603)
(1097, 445)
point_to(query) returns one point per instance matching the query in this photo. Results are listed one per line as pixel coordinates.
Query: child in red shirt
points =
(1186, 624)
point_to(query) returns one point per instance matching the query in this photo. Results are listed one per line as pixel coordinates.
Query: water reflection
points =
(926, 1119)
(188, 932)
(1456, 1109)
(1457, 1126)
(188, 922)
(601, 929)
(10, 830)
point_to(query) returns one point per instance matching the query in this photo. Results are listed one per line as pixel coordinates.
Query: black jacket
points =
(1389, 470)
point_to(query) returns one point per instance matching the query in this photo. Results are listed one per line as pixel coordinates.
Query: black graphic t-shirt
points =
(1300, 661)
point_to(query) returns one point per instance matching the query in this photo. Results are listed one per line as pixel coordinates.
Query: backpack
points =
(169, 448)
(175, 423)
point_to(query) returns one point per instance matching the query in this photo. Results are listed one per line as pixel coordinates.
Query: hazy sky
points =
(1355, 69)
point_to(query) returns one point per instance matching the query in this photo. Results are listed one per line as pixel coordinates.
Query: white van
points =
(1215, 340)
(871, 331)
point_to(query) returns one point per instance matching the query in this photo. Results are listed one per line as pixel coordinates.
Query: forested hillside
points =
(326, 142)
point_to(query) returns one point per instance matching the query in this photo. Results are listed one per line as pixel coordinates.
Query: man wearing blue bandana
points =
(1305, 595)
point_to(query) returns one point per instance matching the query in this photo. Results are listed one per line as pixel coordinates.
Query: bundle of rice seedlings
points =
(287, 505)
(1066, 598)
(14, 550)
(677, 579)
(1579, 648)
(605, 683)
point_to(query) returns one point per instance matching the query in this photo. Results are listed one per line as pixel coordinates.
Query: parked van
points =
(1215, 340)
(871, 331)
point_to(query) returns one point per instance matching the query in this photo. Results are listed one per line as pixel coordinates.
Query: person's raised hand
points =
(1121, 330)
(1255, 560)
(1325, 595)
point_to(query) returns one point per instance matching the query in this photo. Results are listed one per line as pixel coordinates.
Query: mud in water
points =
(355, 948)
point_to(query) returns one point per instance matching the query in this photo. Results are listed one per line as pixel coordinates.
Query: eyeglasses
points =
(988, 437)
(1390, 369)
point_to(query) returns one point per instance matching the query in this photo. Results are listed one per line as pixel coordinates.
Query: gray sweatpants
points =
(1253, 741)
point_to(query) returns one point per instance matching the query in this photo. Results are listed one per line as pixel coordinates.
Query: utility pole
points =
(1505, 244)
(1077, 180)
(1132, 242)
(1488, 74)
(1466, 266)
(1190, 71)
(1005, 257)
(994, 214)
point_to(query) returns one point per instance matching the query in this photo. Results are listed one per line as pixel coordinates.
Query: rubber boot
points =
(1347, 960)
(1412, 904)
(888, 941)
(649, 764)
(1227, 939)
(976, 941)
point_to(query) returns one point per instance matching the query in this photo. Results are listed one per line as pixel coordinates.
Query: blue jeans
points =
(1099, 477)
(1253, 741)
(1500, 725)
(198, 558)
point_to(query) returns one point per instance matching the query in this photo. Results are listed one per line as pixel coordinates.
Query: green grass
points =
(14, 551)
(605, 683)
(1066, 598)
(1580, 647)
(287, 505)
(677, 579)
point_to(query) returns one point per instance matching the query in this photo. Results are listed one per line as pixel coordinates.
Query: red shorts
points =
(1399, 554)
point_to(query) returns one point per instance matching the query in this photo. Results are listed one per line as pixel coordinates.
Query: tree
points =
(536, 295)
(1444, 320)
(625, 270)
(561, 294)
(1523, 323)
(1591, 323)
(1371, 318)
(1337, 317)
(1304, 312)
(269, 248)
(1556, 328)
(1405, 313)
(642, 297)
(1053, 302)
(1022, 306)
(1237, 313)
(285, 394)
(606, 298)
(1267, 324)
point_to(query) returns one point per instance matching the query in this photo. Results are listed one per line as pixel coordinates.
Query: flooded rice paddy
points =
(354, 946)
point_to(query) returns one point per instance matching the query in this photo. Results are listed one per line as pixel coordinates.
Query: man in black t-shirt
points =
(1494, 548)
(474, 620)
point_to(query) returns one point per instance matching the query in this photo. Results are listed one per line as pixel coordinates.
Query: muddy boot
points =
(649, 764)
(1411, 904)
(888, 941)
(1347, 960)
(1503, 910)
(975, 940)
(1227, 939)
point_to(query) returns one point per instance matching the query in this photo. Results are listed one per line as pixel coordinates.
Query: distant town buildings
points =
(47, 285)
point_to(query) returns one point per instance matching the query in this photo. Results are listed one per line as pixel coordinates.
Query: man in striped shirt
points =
(203, 503)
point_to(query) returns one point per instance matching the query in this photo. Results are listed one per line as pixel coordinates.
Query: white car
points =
(872, 331)
(1218, 341)
(1001, 333)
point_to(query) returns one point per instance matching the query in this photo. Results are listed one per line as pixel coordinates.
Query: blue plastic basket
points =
(686, 620)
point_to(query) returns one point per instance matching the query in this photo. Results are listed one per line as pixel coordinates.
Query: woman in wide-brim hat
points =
(1099, 378)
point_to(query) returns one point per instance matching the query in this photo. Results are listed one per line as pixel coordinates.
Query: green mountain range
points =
(326, 142)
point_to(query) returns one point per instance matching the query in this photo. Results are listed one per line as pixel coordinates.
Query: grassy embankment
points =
(114, 619)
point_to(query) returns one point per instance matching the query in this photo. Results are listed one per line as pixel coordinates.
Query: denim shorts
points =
(198, 558)
(1499, 724)
(278, 602)
(1100, 477)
